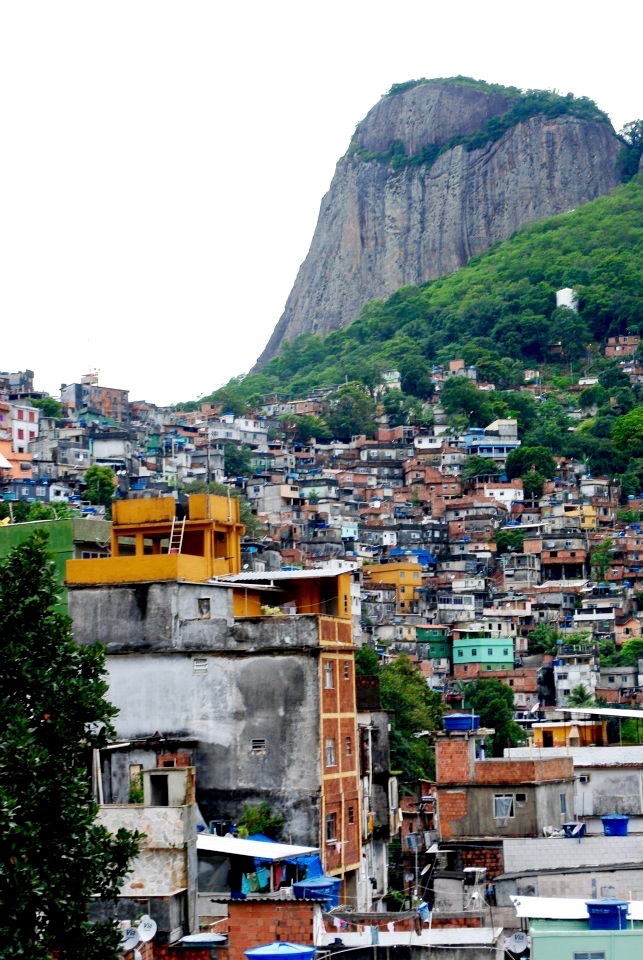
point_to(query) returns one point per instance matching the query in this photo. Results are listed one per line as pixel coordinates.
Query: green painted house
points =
(573, 940)
(489, 653)
(437, 638)
(73, 539)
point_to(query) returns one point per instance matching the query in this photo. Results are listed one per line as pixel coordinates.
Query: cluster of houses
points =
(232, 663)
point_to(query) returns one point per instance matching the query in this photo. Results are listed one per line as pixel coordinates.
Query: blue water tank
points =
(461, 721)
(320, 888)
(279, 949)
(607, 914)
(615, 825)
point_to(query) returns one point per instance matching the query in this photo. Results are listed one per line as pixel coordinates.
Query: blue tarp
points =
(309, 862)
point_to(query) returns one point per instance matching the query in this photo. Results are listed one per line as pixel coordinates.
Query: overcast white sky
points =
(162, 163)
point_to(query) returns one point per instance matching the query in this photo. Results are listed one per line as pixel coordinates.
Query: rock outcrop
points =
(381, 226)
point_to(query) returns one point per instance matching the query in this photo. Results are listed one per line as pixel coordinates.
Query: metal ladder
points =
(176, 536)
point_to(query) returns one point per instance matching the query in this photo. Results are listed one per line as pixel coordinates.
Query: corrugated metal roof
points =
(564, 908)
(603, 712)
(235, 846)
(271, 575)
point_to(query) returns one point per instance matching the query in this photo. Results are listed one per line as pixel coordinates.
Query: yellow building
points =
(150, 543)
(405, 576)
(570, 733)
(255, 670)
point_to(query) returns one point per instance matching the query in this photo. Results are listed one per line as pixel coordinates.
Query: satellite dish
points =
(517, 942)
(146, 928)
(129, 938)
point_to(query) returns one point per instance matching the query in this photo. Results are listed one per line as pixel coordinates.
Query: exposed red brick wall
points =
(462, 920)
(162, 952)
(489, 857)
(452, 805)
(252, 923)
(453, 760)
(180, 759)
(523, 771)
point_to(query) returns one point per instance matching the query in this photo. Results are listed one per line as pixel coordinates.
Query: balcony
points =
(144, 569)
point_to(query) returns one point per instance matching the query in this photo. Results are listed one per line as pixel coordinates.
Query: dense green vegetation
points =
(499, 313)
(56, 859)
(415, 710)
(499, 307)
(524, 104)
(493, 700)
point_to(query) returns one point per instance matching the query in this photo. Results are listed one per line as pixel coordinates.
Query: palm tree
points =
(580, 696)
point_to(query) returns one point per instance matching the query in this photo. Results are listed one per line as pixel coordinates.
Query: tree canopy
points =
(54, 857)
(494, 702)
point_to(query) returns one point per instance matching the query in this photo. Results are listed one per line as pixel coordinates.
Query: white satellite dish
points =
(129, 938)
(146, 928)
(517, 943)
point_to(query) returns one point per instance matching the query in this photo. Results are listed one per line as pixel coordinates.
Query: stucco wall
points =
(233, 702)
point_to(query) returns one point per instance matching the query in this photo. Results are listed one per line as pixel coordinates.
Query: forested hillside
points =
(501, 306)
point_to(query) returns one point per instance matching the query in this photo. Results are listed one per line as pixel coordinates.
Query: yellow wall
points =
(141, 531)
(589, 733)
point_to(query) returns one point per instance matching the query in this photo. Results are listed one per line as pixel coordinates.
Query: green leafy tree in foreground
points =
(494, 701)
(100, 483)
(54, 857)
(415, 709)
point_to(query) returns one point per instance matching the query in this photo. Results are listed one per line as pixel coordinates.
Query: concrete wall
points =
(469, 812)
(542, 853)
(587, 885)
(166, 866)
(167, 616)
(227, 705)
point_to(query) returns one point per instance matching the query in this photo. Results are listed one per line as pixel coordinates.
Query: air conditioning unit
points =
(584, 778)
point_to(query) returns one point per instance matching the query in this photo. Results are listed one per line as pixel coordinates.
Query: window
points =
(503, 806)
(203, 604)
(489, 651)
(329, 677)
(331, 827)
(200, 665)
(474, 651)
(347, 670)
(349, 747)
(351, 815)
(594, 955)
(331, 760)
(21, 434)
(563, 803)
(460, 653)
(505, 652)
(258, 746)
(21, 415)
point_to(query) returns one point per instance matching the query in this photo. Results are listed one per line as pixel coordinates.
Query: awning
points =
(236, 847)
(603, 712)
(4, 463)
(564, 908)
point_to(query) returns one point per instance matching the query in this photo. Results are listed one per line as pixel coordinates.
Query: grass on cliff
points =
(526, 104)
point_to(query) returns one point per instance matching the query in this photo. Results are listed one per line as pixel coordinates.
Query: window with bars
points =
(331, 758)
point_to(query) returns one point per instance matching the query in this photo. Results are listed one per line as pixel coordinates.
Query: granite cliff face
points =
(383, 225)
